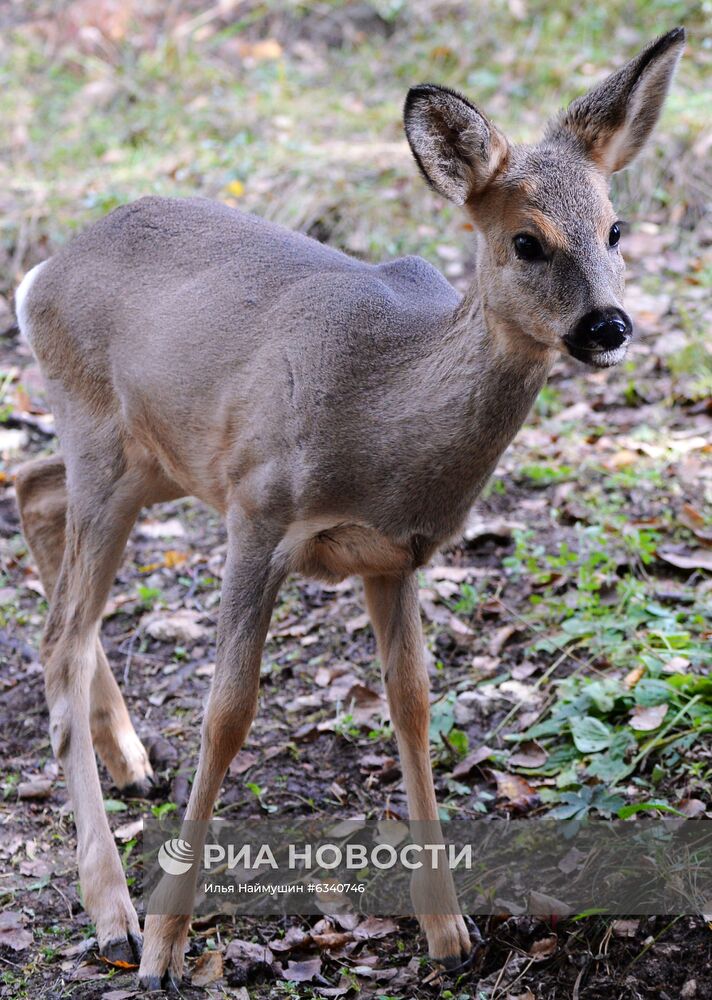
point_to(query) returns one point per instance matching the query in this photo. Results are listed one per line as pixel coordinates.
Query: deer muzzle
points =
(600, 338)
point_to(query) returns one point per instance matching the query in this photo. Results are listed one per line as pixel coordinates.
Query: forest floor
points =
(568, 632)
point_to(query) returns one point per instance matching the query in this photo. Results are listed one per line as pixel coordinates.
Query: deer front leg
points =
(250, 586)
(395, 613)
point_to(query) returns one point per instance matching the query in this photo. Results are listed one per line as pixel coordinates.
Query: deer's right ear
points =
(457, 149)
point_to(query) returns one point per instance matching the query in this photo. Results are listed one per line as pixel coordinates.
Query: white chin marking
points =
(606, 359)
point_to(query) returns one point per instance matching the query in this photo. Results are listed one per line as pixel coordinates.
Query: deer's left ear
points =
(612, 122)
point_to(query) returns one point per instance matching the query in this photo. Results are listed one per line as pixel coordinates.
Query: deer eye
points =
(614, 235)
(528, 247)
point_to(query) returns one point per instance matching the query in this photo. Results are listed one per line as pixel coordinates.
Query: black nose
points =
(600, 330)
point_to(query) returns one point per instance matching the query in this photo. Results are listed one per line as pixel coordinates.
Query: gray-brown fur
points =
(342, 416)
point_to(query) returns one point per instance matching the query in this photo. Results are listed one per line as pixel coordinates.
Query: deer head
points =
(550, 268)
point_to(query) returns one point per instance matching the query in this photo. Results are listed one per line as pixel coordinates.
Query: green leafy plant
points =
(148, 596)
(597, 733)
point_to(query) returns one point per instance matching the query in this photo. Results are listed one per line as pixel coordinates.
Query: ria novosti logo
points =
(176, 857)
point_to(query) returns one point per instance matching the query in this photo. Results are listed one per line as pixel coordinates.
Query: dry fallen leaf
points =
(181, 626)
(367, 971)
(302, 972)
(332, 939)
(172, 558)
(622, 459)
(323, 676)
(242, 762)
(676, 665)
(468, 763)
(39, 868)
(376, 762)
(524, 670)
(128, 831)
(453, 574)
(248, 952)
(391, 832)
(375, 927)
(208, 969)
(12, 933)
(544, 948)
(514, 791)
(645, 718)
(500, 639)
(690, 559)
(692, 807)
(520, 694)
(529, 754)
(117, 963)
(485, 666)
(346, 827)
(294, 938)
(87, 971)
(35, 788)
(692, 519)
(625, 928)
(632, 678)
(498, 528)
(308, 732)
(264, 50)
(542, 905)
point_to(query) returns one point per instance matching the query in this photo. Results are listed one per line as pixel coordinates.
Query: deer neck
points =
(480, 384)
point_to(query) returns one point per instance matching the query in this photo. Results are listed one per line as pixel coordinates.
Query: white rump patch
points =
(21, 299)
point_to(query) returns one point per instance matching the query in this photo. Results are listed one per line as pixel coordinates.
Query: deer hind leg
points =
(104, 494)
(42, 498)
(250, 586)
(395, 613)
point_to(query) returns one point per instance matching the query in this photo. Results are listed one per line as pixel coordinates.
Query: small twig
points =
(8, 962)
(542, 632)
(501, 974)
(129, 656)
(63, 897)
(514, 982)
(515, 709)
(577, 985)
(655, 940)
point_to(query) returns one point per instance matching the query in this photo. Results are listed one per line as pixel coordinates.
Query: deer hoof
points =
(448, 941)
(123, 951)
(162, 962)
(150, 983)
(155, 983)
(457, 963)
(143, 789)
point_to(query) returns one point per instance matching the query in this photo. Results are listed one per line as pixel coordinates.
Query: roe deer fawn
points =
(342, 416)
